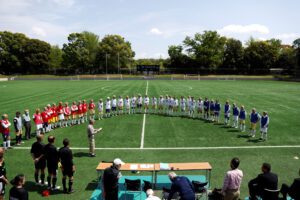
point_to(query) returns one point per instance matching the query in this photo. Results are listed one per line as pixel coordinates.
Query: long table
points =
(154, 168)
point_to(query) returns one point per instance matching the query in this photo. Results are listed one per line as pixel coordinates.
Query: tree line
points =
(212, 53)
(203, 53)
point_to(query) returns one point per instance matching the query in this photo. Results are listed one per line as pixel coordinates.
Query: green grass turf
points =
(280, 99)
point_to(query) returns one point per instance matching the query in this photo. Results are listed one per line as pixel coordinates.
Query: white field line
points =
(144, 123)
(180, 148)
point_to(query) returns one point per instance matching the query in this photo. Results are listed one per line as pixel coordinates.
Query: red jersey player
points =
(74, 112)
(92, 109)
(5, 124)
(67, 113)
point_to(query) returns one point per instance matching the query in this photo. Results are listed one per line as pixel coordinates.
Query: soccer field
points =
(156, 138)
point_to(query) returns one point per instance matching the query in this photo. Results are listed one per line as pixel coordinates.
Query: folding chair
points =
(133, 186)
(271, 194)
(200, 189)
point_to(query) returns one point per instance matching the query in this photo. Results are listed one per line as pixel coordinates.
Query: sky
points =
(152, 25)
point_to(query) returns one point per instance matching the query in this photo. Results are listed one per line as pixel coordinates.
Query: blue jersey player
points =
(235, 113)
(217, 111)
(242, 118)
(254, 119)
(226, 112)
(264, 124)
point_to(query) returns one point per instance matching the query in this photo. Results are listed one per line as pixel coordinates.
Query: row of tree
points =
(84, 53)
(211, 53)
(203, 53)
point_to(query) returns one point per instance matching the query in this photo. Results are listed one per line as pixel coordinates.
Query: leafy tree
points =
(233, 56)
(207, 49)
(114, 51)
(56, 57)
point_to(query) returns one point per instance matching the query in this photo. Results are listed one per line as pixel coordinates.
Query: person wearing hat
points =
(110, 180)
(27, 124)
(91, 131)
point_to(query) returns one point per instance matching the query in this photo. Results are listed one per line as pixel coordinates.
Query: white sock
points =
(4, 145)
(8, 143)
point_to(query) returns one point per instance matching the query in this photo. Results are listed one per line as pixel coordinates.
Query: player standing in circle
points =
(133, 104)
(235, 113)
(206, 108)
(242, 118)
(264, 124)
(3, 178)
(67, 166)
(18, 128)
(217, 111)
(54, 115)
(183, 106)
(127, 105)
(192, 105)
(67, 113)
(80, 112)
(114, 105)
(120, 105)
(50, 115)
(175, 106)
(74, 112)
(154, 104)
(92, 109)
(199, 107)
(45, 118)
(51, 156)
(212, 110)
(226, 113)
(61, 115)
(139, 103)
(38, 120)
(37, 153)
(100, 109)
(84, 111)
(107, 107)
(254, 119)
(161, 104)
(27, 124)
(171, 105)
(146, 103)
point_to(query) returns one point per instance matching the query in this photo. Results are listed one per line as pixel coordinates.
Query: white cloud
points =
(246, 29)
(156, 31)
(39, 31)
(287, 36)
(67, 3)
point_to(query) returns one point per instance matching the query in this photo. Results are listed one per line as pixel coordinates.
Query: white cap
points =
(118, 161)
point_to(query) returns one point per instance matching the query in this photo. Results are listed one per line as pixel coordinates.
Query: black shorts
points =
(52, 169)
(139, 105)
(68, 171)
(5, 137)
(41, 164)
(107, 111)
(45, 124)
(113, 108)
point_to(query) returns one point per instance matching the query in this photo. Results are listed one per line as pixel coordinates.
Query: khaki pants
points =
(232, 195)
(92, 144)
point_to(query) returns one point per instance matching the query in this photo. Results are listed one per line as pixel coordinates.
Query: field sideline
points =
(155, 138)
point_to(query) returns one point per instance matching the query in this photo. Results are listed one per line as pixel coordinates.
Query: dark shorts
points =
(113, 108)
(68, 171)
(45, 124)
(52, 169)
(139, 105)
(217, 113)
(205, 109)
(5, 136)
(107, 110)
(41, 164)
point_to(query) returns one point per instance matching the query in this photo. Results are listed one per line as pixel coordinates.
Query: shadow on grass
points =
(242, 136)
(31, 186)
(81, 154)
(254, 140)
(233, 130)
(92, 185)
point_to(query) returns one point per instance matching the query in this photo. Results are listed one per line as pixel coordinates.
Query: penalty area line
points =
(179, 148)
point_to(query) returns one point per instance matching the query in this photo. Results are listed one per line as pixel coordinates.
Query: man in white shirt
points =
(150, 195)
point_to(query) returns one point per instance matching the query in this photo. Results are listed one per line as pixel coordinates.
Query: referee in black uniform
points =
(51, 155)
(67, 165)
(37, 153)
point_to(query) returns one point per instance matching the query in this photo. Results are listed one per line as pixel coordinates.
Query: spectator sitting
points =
(18, 191)
(183, 186)
(293, 190)
(232, 181)
(266, 180)
(150, 195)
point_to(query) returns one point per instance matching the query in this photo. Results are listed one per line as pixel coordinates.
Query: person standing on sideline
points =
(51, 155)
(37, 153)
(110, 180)
(3, 179)
(232, 181)
(264, 124)
(5, 130)
(91, 131)
(18, 127)
(18, 191)
(183, 186)
(27, 124)
(67, 166)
